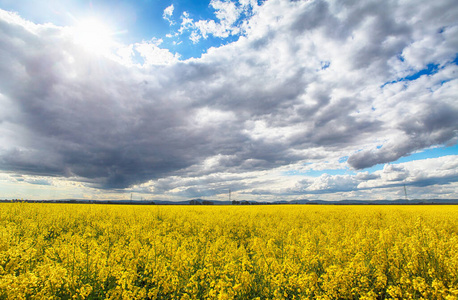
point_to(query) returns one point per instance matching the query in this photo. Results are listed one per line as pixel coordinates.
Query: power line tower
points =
(229, 195)
(405, 191)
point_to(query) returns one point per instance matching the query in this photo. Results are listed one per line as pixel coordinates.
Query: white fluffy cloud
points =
(227, 14)
(168, 12)
(308, 82)
(153, 55)
(231, 20)
(426, 178)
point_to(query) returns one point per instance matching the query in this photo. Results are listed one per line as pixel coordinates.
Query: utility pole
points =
(229, 195)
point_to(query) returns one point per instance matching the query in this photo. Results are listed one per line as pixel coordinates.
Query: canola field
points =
(90, 251)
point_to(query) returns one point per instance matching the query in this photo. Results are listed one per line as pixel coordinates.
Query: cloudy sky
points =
(274, 100)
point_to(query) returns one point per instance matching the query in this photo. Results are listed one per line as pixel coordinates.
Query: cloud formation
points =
(231, 19)
(308, 82)
(168, 12)
(426, 174)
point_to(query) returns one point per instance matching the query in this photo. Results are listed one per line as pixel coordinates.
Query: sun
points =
(94, 35)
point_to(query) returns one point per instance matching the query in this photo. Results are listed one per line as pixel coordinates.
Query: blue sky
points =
(272, 99)
(131, 21)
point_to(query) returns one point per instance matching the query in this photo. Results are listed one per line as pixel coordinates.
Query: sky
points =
(273, 100)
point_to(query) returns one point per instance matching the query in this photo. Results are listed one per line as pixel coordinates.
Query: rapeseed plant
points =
(69, 251)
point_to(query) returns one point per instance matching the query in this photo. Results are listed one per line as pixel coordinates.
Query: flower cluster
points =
(91, 251)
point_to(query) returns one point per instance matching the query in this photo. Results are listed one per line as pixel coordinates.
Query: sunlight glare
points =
(94, 35)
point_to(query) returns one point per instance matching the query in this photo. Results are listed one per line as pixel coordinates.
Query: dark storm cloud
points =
(96, 123)
(434, 123)
(307, 80)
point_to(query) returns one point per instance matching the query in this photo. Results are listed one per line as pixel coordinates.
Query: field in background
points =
(86, 251)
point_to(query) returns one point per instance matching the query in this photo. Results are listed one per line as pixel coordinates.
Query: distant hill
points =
(379, 202)
(199, 201)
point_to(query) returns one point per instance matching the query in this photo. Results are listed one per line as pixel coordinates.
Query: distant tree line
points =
(204, 202)
(244, 202)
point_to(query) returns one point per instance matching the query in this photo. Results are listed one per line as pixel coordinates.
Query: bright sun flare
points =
(94, 35)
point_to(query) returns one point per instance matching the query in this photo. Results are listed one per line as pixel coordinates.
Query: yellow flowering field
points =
(90, 251)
